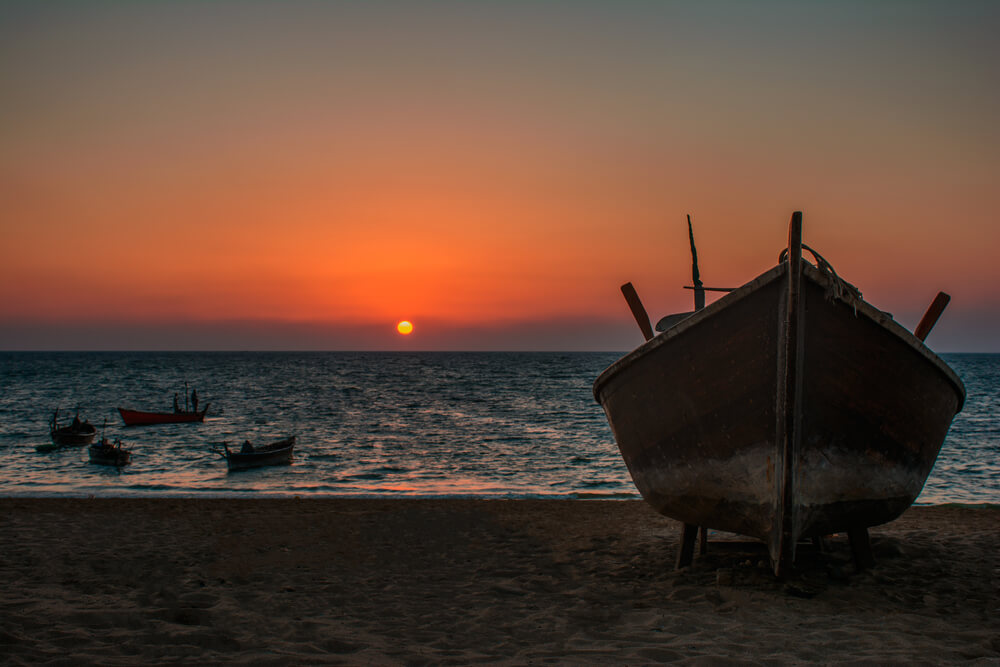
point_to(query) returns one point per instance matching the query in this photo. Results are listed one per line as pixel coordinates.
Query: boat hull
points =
(67, 436)
(716, 431)
(139, 418)
(876, 408)
(109, 456)
(277, 453)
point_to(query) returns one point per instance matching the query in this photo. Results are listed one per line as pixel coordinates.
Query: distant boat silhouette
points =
(75, 434)
(250, 456)
(789, 408)
(108, 454)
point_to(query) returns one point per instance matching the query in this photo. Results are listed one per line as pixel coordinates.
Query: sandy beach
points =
(337, 581)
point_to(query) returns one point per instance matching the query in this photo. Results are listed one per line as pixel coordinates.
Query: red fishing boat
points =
(140, 418)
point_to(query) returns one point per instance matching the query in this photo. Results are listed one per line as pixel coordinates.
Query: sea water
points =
(491, 425)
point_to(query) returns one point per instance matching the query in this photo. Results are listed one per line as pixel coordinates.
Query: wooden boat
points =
(75, 434)
(109, 454)
(250, 456)
(139, 418)
(788, 409)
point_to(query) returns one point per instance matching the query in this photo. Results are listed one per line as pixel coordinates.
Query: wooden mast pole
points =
(699, 288)
(690, 531)
(782, 546)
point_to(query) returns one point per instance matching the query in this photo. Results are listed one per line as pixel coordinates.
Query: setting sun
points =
(404, 328)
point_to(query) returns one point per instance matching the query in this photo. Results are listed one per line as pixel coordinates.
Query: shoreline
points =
(460, 580)
(324, 496)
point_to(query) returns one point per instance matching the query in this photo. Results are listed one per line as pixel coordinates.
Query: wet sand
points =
(332, 581)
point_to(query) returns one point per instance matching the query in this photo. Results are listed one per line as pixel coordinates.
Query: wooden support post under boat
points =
(930, 318)
(689, 533)
(861, 548)
(638, 311)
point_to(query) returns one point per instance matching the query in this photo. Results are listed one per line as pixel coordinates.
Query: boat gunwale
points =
(822, 278)
(665, 337)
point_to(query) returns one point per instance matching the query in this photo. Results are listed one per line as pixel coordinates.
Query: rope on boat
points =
(838, 287)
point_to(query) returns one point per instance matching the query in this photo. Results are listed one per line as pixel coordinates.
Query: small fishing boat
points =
(253, 456)
(140, 418)
(76, 434)
(788, 409)
(109, 454)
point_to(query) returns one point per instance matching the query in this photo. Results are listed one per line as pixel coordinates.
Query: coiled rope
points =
(838, 287)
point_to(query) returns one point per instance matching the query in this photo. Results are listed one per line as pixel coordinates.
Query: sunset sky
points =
(305, 175)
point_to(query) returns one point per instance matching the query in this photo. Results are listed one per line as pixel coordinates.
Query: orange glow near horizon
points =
(419, 161)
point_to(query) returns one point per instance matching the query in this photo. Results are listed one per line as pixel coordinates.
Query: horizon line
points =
(346, 350)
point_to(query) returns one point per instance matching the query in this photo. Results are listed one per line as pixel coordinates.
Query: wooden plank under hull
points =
(711, 437)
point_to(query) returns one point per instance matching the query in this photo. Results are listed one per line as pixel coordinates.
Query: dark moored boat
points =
(250, 456)
(108, 454)
(139, 418)
(76, 434)
(789, 408)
